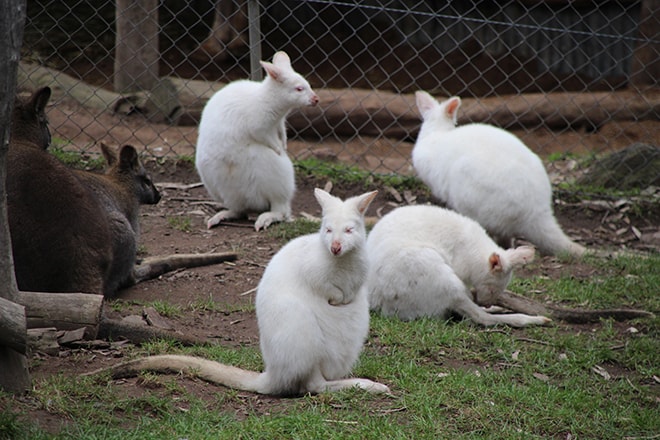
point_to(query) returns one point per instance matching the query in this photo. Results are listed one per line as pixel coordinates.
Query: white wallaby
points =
(489, 175)
(423, 259)
(312, 312)
(241, 149)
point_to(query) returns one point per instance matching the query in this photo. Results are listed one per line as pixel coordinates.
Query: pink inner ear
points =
(452, 106)
(495, 263)
(273, 71)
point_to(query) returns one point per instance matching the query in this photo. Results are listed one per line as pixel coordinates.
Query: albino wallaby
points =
(241, 150)
(74, 230)
(313, 314)
(487, 174)
(423, 258)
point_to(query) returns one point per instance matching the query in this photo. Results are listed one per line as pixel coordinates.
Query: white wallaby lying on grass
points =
(312, 312)
(489, 175)
(423, 259)
(241, 150)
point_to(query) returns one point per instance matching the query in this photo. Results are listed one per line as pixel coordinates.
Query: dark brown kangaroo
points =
(71, 230)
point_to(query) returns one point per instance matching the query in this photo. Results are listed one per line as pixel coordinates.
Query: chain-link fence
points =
(569, 77)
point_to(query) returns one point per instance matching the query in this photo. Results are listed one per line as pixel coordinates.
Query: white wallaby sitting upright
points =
(312, 312)
(241, 150)
(423, 259)
(489, 175)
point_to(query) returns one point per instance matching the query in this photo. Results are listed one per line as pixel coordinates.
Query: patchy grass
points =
(450, 379)
(180, 223)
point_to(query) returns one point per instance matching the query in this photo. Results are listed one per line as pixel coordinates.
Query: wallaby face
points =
(129, 171)
(342, 227)
(294, 90)
(492, 282)
(29, 123)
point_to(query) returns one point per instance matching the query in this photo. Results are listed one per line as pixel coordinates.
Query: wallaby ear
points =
(324, 198)
(40, 99)
(364, 201)
(275, 72)
(128, 158)
(495, 263)
(451, 108)
(425, 102)
(108, 154)
(282, 59)
(520, 255)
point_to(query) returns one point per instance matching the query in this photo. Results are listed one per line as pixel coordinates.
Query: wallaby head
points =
(442, 115)
(29, 123)
(292, 89)
(129, 172)
(500, 268)
(342, 225)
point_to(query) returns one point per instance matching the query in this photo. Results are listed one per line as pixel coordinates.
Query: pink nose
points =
(335, 248)
(314, 100)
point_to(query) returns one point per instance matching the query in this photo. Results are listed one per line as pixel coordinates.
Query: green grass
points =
(183, 224)
(350, 174)
(449, 380)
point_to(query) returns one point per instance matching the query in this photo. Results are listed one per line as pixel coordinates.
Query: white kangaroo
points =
(489, 175)
(423, 259)
(241, 149)
(312, 312)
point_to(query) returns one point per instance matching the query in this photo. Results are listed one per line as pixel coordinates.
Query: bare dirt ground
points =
(177, 225)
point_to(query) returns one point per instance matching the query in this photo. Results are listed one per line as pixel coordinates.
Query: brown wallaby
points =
(72, 230)
(60, 242)
(75, 230)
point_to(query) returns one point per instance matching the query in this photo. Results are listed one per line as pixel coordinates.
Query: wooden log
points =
(64, 311)
(380, 113)
(13, 328)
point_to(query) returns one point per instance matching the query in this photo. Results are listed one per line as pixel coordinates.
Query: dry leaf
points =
(541, 377)
(601, 372)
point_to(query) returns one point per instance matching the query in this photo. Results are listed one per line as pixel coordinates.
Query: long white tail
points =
(549, 238)
(468, 308)
(207, 370)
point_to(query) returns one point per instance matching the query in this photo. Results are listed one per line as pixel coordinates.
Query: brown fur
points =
(71, 230)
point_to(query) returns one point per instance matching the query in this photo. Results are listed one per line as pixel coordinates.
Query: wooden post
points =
(645, 69)
(136, 45)
(64, 311)
(14, 374)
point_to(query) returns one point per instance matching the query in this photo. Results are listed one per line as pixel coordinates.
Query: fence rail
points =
(569, 77)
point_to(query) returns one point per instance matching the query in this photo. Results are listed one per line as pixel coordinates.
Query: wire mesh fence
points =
(570, 78)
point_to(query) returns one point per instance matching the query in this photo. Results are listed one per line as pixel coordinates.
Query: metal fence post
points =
(254, 25)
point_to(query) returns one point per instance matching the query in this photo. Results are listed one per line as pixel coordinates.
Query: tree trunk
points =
(15, 376)
(645, 69)
(136, 51)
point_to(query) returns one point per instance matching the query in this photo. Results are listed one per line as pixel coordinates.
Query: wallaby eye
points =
(349, 230)
(328, 230)
(299, 88)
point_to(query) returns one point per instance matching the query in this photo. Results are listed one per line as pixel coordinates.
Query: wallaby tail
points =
(155, 266)
(468, 308)
(550, 239)
(205, 369)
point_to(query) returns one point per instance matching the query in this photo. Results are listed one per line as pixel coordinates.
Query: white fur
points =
(423, 259)
(487, 174)
(312, 312)
(241, 149)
